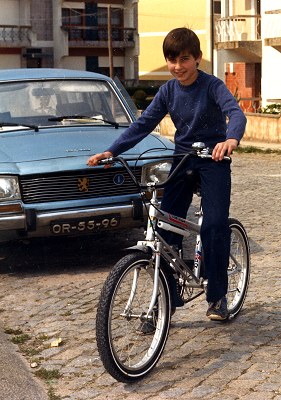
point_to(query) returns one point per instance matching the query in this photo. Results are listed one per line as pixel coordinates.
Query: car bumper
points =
(34, 223)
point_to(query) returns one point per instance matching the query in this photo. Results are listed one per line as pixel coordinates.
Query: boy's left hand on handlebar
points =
(224, 149)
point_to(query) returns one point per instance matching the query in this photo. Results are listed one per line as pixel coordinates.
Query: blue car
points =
(51, 121)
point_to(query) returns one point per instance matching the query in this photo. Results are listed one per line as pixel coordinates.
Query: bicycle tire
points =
(126, 353)
(239, 267)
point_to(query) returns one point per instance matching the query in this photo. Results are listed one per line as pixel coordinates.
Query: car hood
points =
(64, 148)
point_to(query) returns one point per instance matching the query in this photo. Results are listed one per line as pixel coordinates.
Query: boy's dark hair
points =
(181, 39)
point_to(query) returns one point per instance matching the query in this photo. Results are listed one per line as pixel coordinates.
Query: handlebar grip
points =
(106, 161)
(226, 158)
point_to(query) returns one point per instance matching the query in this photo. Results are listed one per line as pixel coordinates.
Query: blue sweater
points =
(198, 112)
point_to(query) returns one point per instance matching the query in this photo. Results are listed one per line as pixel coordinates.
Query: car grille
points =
(78, 186)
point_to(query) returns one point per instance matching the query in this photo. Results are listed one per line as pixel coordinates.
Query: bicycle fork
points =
(156, 267)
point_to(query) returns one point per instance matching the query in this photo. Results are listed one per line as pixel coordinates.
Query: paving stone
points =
(42, 296)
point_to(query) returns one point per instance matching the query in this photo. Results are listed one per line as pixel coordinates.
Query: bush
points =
(142, 95)
(271, 109)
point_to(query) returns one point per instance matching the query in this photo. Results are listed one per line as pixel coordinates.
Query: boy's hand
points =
(224, 149)
(94, 160)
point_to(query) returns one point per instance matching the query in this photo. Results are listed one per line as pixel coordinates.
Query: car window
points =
(36, 101)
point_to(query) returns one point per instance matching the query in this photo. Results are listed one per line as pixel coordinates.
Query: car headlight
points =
(9, 188)
(156, 172)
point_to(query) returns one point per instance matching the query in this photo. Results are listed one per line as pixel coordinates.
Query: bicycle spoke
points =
(239, 267)
(126, 350)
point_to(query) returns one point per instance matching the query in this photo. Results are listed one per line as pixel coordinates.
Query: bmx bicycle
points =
(144, 287)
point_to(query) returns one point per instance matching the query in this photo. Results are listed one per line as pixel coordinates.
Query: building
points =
(241, 40)
(241, 44)
(248, 50)
(155, 19)
(89, 35)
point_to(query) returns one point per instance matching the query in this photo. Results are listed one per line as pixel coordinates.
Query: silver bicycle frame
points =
(159, 247)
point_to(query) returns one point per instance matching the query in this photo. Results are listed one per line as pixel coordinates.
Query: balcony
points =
(15, 36)
(82, 36)
(239, 32)
(272, 29)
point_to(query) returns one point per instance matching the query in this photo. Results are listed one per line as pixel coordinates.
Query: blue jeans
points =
(215, 178)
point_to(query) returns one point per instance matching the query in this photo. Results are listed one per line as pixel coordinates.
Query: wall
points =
(263, 127)
(243, 80)
(271, 57)
(10, 61)
(271, 79)
(156, 18)
(260, 127)
(74, 63)
(9, 12)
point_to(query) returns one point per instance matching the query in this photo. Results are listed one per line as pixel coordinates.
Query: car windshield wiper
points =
(86, 117)
(3, 124)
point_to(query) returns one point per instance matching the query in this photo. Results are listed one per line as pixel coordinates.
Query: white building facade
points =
(88, 35)
(247, 52)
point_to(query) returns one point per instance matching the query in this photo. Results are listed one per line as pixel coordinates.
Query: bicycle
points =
(145, 286)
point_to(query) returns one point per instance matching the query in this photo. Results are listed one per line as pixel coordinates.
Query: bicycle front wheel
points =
(239, 267)
(129, 343)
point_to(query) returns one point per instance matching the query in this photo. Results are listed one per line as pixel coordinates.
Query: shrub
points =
(142, 95)
(271, 109)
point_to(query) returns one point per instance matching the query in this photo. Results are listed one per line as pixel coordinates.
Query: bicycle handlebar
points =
(196, 152)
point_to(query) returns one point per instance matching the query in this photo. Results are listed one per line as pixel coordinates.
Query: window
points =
(116, 19)
(73, 20)
(217, 7)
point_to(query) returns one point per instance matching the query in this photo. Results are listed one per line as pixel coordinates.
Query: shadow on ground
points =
(66, 253)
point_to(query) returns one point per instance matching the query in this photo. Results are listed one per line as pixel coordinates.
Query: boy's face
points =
(184, 67)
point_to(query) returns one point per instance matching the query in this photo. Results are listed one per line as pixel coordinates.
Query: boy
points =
(198, 104)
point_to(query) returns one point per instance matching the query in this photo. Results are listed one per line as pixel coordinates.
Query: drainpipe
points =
(109, 41)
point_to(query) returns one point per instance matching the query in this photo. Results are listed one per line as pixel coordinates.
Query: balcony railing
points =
(250, 104)
(238, 28)
(98, 37)
(14, 35)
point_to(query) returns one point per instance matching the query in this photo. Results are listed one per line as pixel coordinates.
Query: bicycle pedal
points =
(146, 328)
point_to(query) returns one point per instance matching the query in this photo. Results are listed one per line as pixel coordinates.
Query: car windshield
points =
(46, 102)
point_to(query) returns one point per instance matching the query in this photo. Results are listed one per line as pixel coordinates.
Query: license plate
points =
(85, 225)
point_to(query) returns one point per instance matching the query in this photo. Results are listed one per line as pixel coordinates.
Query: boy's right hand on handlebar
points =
(224, 149)
(95, 159)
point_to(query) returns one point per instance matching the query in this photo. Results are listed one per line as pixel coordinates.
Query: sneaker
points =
(217, 311)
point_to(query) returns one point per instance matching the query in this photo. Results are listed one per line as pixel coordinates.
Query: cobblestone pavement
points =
(49, 290)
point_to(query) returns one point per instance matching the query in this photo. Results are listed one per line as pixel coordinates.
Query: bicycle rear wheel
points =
(239, 267)
(127, 353)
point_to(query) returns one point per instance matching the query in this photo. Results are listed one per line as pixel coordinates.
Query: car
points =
(51, 122)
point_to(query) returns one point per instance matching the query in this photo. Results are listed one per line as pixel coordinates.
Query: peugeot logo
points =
(83, 184)
(119, 179)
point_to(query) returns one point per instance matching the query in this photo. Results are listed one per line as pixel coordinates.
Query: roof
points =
(47, 73)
